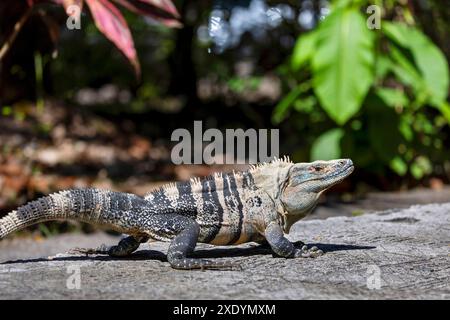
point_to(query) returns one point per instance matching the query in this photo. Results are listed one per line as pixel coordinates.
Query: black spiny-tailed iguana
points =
(260, 204)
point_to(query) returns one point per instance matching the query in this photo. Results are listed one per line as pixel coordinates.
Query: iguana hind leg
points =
(125, 247)
(186, 233)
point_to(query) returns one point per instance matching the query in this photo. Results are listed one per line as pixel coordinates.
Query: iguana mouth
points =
(345, 171)
(342, 173)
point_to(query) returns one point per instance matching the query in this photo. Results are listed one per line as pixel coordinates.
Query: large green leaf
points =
(429, 59)
(406, 71)
(343, 63)
(328, 145)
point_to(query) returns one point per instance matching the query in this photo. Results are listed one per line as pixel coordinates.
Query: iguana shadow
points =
(228, 252)
(265, 249)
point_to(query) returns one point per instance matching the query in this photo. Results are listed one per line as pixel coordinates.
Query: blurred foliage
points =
(378, 96)
(334, 87)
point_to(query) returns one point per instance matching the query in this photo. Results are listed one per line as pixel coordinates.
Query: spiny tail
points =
(88, 205)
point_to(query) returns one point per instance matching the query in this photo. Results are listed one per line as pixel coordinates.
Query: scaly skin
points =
(260, 204)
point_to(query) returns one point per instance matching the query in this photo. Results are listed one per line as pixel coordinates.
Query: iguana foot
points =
(125, 247)
(284, 248)
(265, 244)
(304, 252)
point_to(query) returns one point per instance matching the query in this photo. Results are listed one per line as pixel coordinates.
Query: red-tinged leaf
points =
(165, 5)
(112, 24)
(68, 3)
(161, 10)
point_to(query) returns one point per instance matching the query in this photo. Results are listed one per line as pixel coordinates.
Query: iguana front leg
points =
(283, 247)
(125, 247)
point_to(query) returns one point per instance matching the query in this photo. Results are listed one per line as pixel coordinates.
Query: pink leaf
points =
(165, 5)
(68, 3)
(161, 10)
(112, 24)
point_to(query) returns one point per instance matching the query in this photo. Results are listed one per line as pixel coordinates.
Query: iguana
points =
(258, 205)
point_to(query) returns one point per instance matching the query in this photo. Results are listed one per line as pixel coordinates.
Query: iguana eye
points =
(316, 168)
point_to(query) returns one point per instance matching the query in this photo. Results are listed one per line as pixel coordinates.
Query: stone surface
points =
(407, 248)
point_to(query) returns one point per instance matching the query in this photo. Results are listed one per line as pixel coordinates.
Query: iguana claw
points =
(304, 252)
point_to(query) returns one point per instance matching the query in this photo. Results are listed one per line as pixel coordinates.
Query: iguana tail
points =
(98, 207)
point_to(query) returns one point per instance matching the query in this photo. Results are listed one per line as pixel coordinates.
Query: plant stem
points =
(39, 76)
(17, 27)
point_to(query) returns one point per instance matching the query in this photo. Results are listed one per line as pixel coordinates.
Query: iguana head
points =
(295, 187)
(303, 184)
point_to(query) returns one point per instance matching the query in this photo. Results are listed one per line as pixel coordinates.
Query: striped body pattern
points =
(222, 205)
(223, 209)
(103, 208)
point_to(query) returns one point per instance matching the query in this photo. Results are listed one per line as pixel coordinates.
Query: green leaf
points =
(433, 66)
(399, 166)
(428, 57)
(343, 63)
(306, 104)
(6, 110)
(405, 127)
(303, 50)
(416, 171)
(444, 108)
(382, 67)
(327, 145)
(396, 32)
(406, 71)
(421, 167)
(282, 108)
(392, 97)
